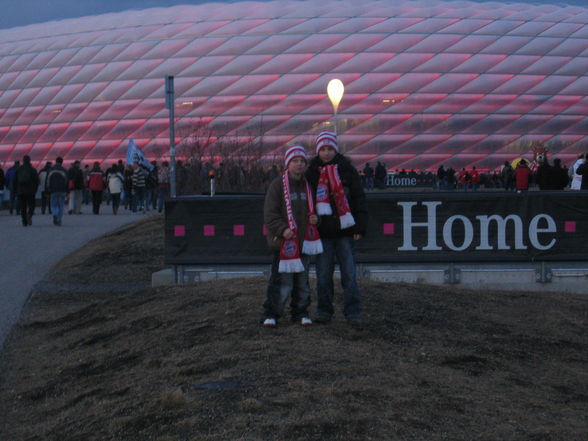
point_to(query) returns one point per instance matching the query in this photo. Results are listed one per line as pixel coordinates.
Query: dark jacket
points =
(329, 226)
(26, 180)
(583, 171)
(76, 175)
(275, 216)
(2, 179)
(57, 180)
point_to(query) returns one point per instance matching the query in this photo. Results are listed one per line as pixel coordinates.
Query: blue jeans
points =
(57, 205)
(139, 199)
(342, 249)
(162, 195)
(284, 285)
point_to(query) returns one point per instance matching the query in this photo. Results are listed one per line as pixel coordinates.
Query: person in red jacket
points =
(96, 185)
(522, 174)
(464, 179)
(475, 178)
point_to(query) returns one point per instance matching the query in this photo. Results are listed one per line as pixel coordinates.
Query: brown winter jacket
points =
(274, 210)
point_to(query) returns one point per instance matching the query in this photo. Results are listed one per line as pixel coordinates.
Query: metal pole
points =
(170, 104)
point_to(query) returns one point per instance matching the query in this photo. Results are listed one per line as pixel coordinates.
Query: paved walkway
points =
(28, 253)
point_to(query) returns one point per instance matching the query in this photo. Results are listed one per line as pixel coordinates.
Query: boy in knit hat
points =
(291, 232)
(341, 205)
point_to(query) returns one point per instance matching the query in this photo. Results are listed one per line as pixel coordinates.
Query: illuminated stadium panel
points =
(427, 83)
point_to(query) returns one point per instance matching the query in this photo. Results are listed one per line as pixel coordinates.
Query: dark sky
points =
(23, 12)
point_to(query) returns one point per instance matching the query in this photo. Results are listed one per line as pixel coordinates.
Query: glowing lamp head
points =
(335, 90)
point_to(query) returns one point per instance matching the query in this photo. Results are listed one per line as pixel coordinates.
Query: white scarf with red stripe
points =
(330, 184)
(290, 250)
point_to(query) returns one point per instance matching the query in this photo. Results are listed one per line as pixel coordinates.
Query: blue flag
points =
(134, 154)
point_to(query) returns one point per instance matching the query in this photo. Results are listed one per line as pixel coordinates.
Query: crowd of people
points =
(138, 188)
(519, 178)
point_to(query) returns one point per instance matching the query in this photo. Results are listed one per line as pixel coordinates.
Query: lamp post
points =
(170, 104)
(335, 90)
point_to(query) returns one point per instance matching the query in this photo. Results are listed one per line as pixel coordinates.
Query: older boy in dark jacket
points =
(26, 182)
(341, 206)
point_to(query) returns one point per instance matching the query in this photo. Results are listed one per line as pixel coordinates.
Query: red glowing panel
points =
(23, 79)
(237, 45)
(115, 90)
(465, 26)
(144, 89)
(33, 133)
(356, 43)
(14, 134)
(139, 68)
(314, 25)
(506, 45)
(519, 84)
(420, 144)
(53, 133)
(284, 63)
(539, 46)
(430, 25)
(275, 26)
(397, 43)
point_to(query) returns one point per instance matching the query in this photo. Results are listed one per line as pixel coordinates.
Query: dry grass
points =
(192, 363)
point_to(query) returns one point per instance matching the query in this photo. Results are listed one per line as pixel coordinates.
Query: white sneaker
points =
(305, 321)
(269, 322)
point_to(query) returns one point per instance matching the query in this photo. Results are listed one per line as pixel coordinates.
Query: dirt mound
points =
(192, 362)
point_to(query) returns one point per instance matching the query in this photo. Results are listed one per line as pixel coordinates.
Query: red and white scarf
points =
(330, 184)
(290, 250)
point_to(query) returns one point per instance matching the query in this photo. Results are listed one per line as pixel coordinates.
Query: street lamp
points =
(335, 90)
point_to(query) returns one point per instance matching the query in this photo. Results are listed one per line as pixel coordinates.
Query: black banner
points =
(431, 227)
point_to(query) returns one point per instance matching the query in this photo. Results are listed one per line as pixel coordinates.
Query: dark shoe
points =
(30, 220)
(54, 220)
(70, 212)
(355, 323)
(323, 319)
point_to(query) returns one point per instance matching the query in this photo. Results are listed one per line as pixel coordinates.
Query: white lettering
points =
(501, 232)
(448, 232)
(548, 225)
(534, 230)
(430, 225)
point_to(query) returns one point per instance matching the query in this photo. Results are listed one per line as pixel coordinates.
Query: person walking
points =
(26, 182)
(163, 182)
(116, 181)
(380, 176)
(96, 185)
(76, 187)
(2, 185)
(290, 219)
(576, 179)
(57, 188)
(45, 203)
(368, 173)
(341, 205)
(139, 183)
(582, 171)
(13, 202)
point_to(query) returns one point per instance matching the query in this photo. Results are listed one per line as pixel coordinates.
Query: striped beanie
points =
(326, 139)
(293, 152)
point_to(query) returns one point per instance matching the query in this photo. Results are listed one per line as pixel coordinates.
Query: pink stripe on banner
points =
(179, 230)
(239, 230)
(388, 228)
(570, 226)
(209, 230)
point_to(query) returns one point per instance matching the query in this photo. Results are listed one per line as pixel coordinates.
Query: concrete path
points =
(28, 253)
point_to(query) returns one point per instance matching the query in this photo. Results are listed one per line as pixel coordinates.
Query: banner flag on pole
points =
(134, 154)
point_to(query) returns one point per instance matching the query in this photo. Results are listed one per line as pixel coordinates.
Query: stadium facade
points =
(427, 83)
